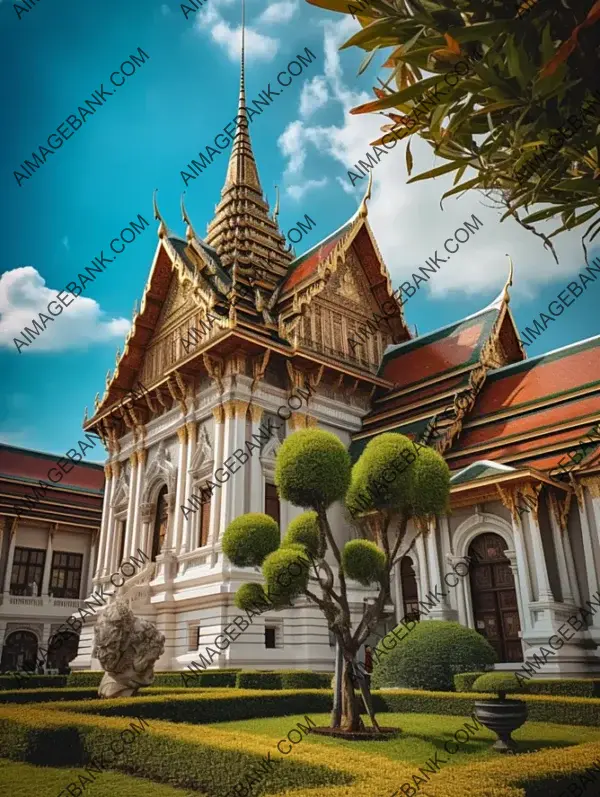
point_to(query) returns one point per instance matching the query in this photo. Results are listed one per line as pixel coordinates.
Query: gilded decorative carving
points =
(107, 472)
(142, 456)
(593, 485)
(508, 497)
(256, 411)
(191, 429)
(133, 460)
(214, 367)
(229, 409)
(177, 394)
(182, 434)
(259, 366)
(560, 507)
(218, 413)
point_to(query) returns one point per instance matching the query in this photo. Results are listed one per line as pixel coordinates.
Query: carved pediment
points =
(160, 471)
(121, 494)
(203, 457)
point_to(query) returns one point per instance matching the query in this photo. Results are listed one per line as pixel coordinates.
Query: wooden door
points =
(494, 597)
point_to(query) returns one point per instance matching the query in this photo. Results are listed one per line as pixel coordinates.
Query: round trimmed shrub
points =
(382, 478)
(500, 682)
(429, 655)
(363, 561)
(249, 596)
(286, 573)
(304, 530)
(250, 538)
(312, 469)
(431, 483)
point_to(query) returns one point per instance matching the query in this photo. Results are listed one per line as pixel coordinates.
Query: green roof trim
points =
(479, 470)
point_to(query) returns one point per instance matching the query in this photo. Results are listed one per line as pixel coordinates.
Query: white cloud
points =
(278, 12)
(314, 96)
(258, 46)
(297, 191)
(23, 295)
(65, 243)
(406, 219)
(165, 10)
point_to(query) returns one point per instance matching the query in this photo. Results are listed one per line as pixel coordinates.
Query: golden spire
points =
(189, 230)
(363, 211)
(85, 416)
(162, 227)
(509, 281)
(242, 232)
(276, 208)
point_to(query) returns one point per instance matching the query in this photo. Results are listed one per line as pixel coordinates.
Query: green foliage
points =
(431, 483)
(312, 469)
(363, 561)
(84, 678)
(566, 687)
(305, 530)
(305, 679)
(250, 596)
(252, 679)
(515, 81)
(382, 478)
(49, 695)
(501, 682)
(463, 681)
(26, 681)
(431, 654)
(250, 538)
(286, 573)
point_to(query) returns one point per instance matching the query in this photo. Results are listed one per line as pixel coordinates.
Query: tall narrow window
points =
(65, 578)
(204, 522)
(121, 538)
(27, 569)
(272, 507)
(161, 523)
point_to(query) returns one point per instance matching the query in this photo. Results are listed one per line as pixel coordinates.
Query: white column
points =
(230, 408)
(257, 480)
(92, 562)
(108, 519)
(541, 569)
(103, 541)
(423, 571)
(147, 516)
(591, 570)
(463, 595)
(561, 560)
(188, 522)
(134, 541)
(180, 490)
(48, 562)
(523, 572)
(241, 474)
(396, 579)
(11, 554)
(215, 504)
(130, 508)
(523, 610)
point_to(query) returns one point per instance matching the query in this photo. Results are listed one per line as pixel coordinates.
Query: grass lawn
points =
(423, 734)
(25, 780)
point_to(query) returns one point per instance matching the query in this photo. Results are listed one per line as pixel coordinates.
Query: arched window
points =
(19, 652)
(161, 523)
(494, 596)
(410, 595)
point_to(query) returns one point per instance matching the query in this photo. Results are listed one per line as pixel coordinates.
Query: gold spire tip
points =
(509, 281)
(162, 227)
(363, 210)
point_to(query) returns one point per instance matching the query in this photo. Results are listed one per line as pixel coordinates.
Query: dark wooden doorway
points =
(494, 597)
(161, 523)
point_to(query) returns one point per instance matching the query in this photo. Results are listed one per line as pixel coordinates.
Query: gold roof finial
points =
(189, 232)
(276, 208)
(97, 402)
(107, 383)
(85, 415)
(509, 281)
(363, 210)
(162, 227)
(118, 357)
(135, 306)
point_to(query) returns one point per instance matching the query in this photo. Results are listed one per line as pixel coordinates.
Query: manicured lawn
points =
(423, 734)
(25, 780)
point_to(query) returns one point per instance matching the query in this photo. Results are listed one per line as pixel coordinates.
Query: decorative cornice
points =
(182, 434)
(218, 413)
(559, 506)
(256, 411)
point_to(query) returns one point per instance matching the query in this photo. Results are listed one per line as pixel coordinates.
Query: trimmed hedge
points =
(171, 678)
(26, 681)
(74, 693)
(305, 679)
(207, 760)
(247, 679)
(463, 681)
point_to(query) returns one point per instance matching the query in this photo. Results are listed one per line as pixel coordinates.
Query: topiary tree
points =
(431, 655)
(393, 478)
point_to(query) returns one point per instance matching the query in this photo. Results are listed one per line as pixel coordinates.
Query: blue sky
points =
(57, 54)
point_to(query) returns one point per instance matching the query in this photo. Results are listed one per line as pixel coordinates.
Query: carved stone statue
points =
(127, 648)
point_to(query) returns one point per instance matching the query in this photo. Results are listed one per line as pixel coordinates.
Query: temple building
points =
(238, 343)
(50, 514)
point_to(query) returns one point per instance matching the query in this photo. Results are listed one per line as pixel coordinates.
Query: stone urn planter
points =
(501, 715)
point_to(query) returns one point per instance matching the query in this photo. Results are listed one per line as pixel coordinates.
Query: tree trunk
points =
(351, 719)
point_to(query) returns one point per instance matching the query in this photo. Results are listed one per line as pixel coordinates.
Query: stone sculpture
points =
(126, 647)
